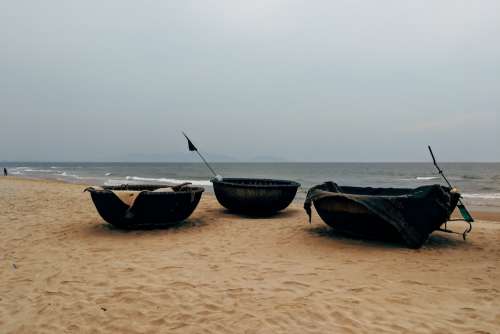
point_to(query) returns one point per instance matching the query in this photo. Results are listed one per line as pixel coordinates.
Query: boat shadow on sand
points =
(437, 240)
(288, 213)
(102, 228)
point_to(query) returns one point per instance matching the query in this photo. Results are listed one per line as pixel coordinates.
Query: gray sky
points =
(296, 80)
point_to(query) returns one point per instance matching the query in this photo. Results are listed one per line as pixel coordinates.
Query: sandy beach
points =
(64, 270)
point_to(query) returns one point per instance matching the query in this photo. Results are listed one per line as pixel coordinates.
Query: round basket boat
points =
(388, 214)
(150, 208)
(255, 197)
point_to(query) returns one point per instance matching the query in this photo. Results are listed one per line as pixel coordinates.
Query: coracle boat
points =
(145, 206)
(392, 214)
(254, 197)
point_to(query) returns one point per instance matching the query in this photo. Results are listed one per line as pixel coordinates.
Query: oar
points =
(461, 207)
(193, 148)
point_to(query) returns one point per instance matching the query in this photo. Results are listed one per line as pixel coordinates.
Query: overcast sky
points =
(294, 80)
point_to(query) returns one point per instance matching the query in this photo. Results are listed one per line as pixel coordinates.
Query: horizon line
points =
(231, 162)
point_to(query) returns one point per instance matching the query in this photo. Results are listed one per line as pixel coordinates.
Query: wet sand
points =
(64, 270)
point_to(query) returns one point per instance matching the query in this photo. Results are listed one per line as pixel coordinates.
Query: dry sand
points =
(65, 271)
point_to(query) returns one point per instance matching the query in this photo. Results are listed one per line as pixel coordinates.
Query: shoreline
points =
(478, 212)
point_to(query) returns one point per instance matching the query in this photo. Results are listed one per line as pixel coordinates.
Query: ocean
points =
(479, 183)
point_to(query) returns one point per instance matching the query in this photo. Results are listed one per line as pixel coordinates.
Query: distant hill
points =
(176, 157)
(193, 157)
(266, 158)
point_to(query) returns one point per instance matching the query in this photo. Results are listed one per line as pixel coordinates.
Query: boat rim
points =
(232, 181)
(191, 190)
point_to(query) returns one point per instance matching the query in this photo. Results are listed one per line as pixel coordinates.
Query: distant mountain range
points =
(193, 157)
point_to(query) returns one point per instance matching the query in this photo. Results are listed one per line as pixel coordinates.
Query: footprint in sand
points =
(182, 285)
(282, 290)
(307, 274)
(297, 284)
(211, 307)
(239, 290)
(412, 282)
(171, 267)
(56, 293)
(158, 322)
(468, 309)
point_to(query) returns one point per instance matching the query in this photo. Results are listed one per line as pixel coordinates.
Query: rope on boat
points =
(464, 234)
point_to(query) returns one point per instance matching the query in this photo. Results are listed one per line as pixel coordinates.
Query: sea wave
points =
(482, 195)
(115, 182)
(470, 177)
(37, 170)
(65, 174)
(21, 167)
(426, 178)
(52, 172)
(26, 170)
(165, 180)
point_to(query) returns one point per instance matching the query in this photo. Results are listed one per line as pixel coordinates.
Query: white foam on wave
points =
(66, 174)
(112, 182)
(482, 196)
(50, 173)
(172, 181)
(419, 178)
(38, 170)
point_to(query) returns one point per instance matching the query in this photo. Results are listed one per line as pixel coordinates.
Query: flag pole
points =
(193, 148)
(461, 206)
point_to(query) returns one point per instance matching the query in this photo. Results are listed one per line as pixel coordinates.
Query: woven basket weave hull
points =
(388, 214)
(256, 197)
(150, 209)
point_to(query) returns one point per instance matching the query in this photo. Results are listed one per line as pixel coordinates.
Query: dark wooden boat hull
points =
(151, 209)
(255, 197)
(388, 214)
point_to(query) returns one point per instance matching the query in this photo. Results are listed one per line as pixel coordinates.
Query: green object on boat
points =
(465, 213)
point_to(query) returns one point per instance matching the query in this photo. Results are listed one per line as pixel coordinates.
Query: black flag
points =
(190, 144)
(193, 148)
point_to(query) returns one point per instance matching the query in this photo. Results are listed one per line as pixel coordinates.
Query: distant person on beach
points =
(5, 172)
